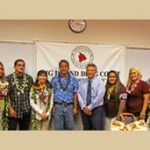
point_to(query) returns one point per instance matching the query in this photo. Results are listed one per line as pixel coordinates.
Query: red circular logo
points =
(81, 56)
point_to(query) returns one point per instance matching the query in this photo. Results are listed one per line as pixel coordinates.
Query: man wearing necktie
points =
(91, 99)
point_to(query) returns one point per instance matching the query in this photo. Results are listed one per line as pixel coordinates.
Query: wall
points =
(128, 32)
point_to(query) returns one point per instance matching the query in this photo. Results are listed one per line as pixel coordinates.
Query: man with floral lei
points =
(19, 104)
(3, 99)
(65, 87)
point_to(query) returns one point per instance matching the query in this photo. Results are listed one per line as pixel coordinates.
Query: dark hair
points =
(3, 78)
(118, 83)
(91, 65)
(18, 60)
(40, 72)
(1, 64)
(63, 61)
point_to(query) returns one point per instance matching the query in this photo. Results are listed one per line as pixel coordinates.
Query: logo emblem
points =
(81, 56)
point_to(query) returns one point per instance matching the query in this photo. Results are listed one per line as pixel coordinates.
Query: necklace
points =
(109, 92)
(133, 86)
(20, 86)
(42, 90)
(40, 87)
(48, 94)
(3, 88)
(64, 88)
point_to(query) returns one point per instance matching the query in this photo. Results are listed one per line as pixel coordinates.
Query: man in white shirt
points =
(90, 96)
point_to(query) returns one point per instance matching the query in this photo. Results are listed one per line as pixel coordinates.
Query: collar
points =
(87, 79)
(20, 76)
(69, 74)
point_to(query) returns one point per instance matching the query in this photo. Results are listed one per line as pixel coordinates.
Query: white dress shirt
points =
(97, 93)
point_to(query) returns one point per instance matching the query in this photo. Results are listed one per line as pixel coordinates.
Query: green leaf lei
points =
(4, 97)
(5, 114)
(109, 92)
(34, 120)
(20, 87)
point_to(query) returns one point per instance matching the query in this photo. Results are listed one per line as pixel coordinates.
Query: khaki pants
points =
(43, 125)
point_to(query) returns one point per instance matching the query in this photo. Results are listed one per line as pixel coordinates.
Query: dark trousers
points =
(23, 122)
(95, 121)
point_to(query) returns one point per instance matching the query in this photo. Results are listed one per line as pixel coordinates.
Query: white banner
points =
(11, 51)
(106, 57)
(141, 59)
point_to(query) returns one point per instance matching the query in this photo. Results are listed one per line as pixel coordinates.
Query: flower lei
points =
(20, 87)
(64, 88)
(5, 114)
(108, 94)
(132, 87)
(3, 95)
(33, 95)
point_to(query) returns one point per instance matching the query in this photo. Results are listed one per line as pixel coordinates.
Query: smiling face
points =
(64, 68)
(134, 75)
(1, 70)
(112, 78)
(42, 78)
(91, 72)
(20, 67)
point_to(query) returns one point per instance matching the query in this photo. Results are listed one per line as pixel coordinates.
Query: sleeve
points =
(100, 96)
(30, 81)
(9, 85)
(10, 89)
(80, 97)
(145, 88)
(123, 93)
(76, 86)
(32, 103)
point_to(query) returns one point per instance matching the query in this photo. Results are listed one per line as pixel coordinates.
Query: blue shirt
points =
(61, 95)
(97, 93)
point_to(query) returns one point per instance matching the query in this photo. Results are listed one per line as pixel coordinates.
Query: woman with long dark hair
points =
(3, 99)
(41, 102)
(115, 97)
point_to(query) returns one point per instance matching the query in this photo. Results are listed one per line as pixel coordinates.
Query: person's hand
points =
(87, 111)
(12, 112)
(119, 113)
(75, 111)
(44, 116)
(142, 116)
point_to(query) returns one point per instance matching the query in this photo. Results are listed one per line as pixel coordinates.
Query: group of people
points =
(24, 102)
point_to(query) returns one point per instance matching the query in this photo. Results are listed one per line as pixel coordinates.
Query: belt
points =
(63, 103)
